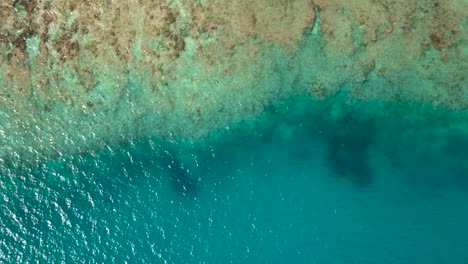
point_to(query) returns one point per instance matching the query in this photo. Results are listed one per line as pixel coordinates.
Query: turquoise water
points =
(307, 182)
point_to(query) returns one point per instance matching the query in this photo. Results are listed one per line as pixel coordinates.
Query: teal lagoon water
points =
(307, 182)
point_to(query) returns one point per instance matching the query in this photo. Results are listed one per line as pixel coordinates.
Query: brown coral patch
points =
(66, 46)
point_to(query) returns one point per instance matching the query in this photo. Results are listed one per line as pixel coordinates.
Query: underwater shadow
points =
(140, 162)
(180, 174)
(348, 149)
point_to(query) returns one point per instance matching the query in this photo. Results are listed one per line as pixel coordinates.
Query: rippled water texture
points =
(235, 131)
(292, 186)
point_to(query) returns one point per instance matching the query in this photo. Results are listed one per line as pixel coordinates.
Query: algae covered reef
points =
(77, 76)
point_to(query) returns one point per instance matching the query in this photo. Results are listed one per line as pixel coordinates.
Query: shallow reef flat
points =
(77, 76)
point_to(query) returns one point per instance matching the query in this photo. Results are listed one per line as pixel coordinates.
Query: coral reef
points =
(81, 75)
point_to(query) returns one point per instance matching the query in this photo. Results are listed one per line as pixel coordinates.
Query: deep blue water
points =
(298, 185)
